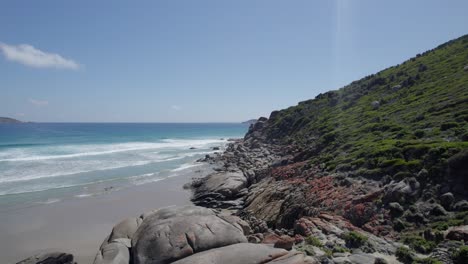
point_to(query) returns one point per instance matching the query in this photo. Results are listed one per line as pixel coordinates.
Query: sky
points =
(204, 60)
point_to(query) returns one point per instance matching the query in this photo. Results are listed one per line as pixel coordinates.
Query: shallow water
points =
(43, 163)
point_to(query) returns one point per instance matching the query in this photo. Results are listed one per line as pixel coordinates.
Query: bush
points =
(428, 261)
(354, 239)
(419, 244)
(338, 249)
(311, 240)
(447, 126)
(461, 255)
(419, 133)
(405, 255)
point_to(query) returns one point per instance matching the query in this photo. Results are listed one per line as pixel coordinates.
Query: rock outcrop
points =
(188, 234)
(49, 258)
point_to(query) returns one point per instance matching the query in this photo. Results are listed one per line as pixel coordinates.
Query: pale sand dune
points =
(79, 225)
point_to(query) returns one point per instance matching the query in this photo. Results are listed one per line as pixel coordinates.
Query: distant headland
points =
(7, 120)
(251, 121)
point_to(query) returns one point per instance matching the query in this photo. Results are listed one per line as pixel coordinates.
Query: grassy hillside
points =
(396, 122)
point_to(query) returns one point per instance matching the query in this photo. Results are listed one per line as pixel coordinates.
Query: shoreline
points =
(78, 225)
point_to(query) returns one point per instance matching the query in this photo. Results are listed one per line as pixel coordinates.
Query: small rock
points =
(380, 261)
(461, 206)
(286, 242)
(396, 209)
(254, 239)
(447, 200)
(49, 258)
(298, 238)
(375, 104)
(438, 210)
(271, 239)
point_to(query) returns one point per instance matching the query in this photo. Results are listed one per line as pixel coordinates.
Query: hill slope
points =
(7, 120)
(402, 119)
(386, 155)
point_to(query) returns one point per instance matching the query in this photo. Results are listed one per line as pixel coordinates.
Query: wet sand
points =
(79, 225)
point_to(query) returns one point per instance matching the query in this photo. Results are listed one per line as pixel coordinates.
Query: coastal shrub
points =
(446, 223)
(419, 244)
(339, 249)
(405, 255)
(311, 240)
(419, 133)
(354, 239)
(427, 261)
(461, 255)
(307, 249)
(448, 125)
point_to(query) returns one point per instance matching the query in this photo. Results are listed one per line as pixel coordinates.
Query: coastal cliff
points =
(375, 172)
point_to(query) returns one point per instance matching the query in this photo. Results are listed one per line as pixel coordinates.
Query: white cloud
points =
(38, 102)
(176, 107)
(20, 114)
(30, 56)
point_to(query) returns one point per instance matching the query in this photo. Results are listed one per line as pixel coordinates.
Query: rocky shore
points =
(264, 204)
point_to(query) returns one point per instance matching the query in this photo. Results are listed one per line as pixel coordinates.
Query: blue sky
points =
(201, 61)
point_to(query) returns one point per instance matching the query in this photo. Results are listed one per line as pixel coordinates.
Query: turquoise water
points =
(48, 162)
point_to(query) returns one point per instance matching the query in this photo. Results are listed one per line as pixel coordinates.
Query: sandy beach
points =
(80, 225)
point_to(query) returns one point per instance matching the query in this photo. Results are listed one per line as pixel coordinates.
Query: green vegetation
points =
(396, 122)
(354, 239)
(461, 255)
(405, 255)
(460, 218)
(311, 240)
(338, 249)
(419, 244)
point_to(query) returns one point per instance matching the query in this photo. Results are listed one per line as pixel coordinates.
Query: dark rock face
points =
(458, 233)
(49, 258)
(403, 191)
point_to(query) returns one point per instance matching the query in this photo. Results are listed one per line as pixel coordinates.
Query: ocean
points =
(43, 163)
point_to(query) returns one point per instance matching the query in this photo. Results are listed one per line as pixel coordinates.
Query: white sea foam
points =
(24, 170)
(74, 151)
(83, 195)
(49, 201)
(186, 166)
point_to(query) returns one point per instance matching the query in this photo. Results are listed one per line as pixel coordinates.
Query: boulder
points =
(235, 254)
(49, 258)
(403, 191)
(375, 104)
(396, 209)
(115, 252)
(285, 242)
(461, 205)
(126, 228)
(173, 233)
(447, 200)
(227, 184)
(459, 233)
(438, 210)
